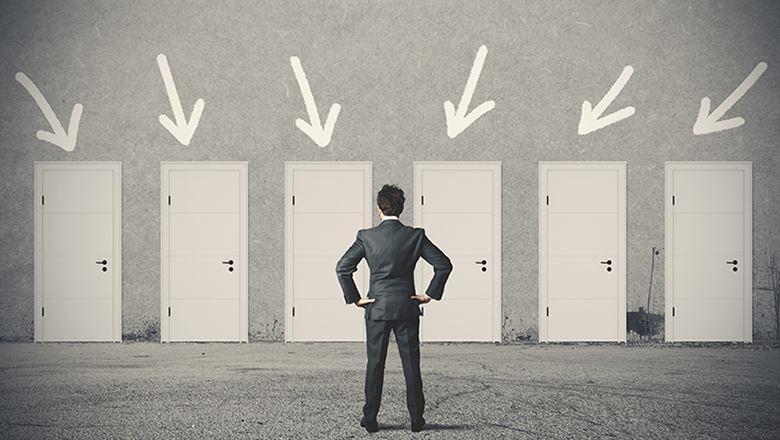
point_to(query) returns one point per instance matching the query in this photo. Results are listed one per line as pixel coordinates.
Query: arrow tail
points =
(740, 91)
(308, 96)
(471, 83)
(614, 91)
(43, 104)
(170, 88)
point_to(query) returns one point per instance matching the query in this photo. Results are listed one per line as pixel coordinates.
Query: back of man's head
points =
(390, 200)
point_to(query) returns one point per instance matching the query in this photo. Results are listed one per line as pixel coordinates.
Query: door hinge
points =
(672, 200)
(293, 200)
(169, 200)
(673, 311)
(548, 200)
(169, 310)
(42, 200)
(293, 311)
(43, 311)
(422, 200)
(547, 311)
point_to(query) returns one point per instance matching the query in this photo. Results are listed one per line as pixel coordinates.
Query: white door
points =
(78, 251)
(327, 203)
(459, 206)
(204, 251)
(582, 251)
(709, 251)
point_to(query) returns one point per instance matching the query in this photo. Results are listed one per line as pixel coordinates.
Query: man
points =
(392, 250)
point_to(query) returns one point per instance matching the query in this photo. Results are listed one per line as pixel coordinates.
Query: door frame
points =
(243, 169)
(747, 168)
(495, 167)
(39, 167)
(289, 168)
(620, 167)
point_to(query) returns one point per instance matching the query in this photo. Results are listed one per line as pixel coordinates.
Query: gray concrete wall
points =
(391, 66)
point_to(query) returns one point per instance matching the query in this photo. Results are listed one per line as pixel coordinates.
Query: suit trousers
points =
(407, 337)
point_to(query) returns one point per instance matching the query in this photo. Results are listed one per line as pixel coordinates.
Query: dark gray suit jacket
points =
(392, 250)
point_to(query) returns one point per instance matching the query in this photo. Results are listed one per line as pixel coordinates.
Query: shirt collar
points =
(389, 217)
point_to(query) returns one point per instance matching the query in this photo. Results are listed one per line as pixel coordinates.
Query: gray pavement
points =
(274, 390)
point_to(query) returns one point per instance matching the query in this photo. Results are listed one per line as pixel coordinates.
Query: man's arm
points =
(441, 268)
(346, 265)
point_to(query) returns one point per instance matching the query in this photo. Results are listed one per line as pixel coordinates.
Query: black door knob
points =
(230, 269)
(607, 262)
(484, 269)
(609, 268)
(105, 268)
(483, 262)
(103, 262)
(228, 262)
(734, 269)
(732, 262)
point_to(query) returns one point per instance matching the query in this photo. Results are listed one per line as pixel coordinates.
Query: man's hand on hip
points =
(362, 302)
(423, 299)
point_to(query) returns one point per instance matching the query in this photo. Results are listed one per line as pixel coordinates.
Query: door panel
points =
(708, 320)
(204, 319)
(468, 282)
(321, 228)
(79, 191)
(194, 277)
(469, 234)
(77, 277)
(328, 320)
(216, 190)
(459, 208)
(457, 320)
(580, 278)
(582, 242)
(78, 226)
(311, 185)
(583, 320)
(583, 234)
(204, 234)
(709, 190)
(314, 278)
(707, 277)
(78, 319)
(594, 191)
(708, 234)
(325, 234)
(78, 234)
(445, 190)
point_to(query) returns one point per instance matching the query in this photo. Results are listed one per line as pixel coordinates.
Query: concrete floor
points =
(274, 390)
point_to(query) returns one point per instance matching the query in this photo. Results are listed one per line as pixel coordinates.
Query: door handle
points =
(483, 262)
(103, 262)
(230, 262)
(732, 262)
(608, 262)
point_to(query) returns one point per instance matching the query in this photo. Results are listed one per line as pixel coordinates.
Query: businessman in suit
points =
(392, 250)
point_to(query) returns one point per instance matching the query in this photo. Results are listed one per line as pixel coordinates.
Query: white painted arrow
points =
(589, 118)
(708, 122)
(181, 129)
(58, 136)
(319, 133)
(458, 120)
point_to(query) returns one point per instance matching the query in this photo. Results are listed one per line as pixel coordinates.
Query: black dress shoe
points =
(370, 426)
(418, 425)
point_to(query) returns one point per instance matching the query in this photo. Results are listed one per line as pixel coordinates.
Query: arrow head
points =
(707, 122)
(456, 123)
(184, 132)
(321, 135)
